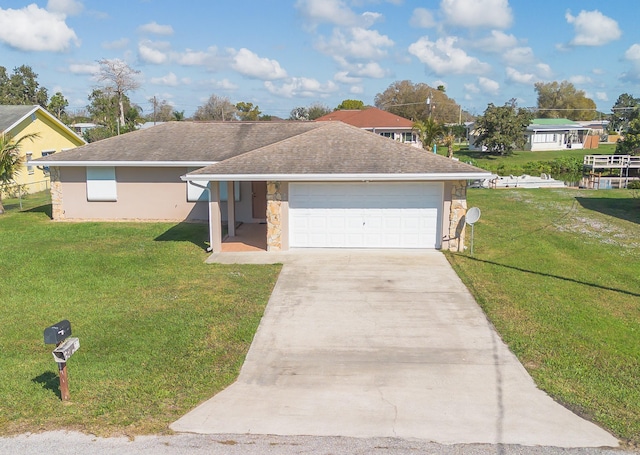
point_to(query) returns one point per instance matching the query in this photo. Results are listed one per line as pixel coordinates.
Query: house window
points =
(389, 135)
(408, 137)
(45, 169)
(101, 184)
(30, 169)
(196, 192)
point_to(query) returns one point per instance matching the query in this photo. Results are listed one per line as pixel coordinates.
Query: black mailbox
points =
(57, 333)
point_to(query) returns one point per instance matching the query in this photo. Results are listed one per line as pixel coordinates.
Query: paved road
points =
(196, 444)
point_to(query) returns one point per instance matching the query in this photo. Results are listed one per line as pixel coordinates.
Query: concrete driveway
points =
(383, 344)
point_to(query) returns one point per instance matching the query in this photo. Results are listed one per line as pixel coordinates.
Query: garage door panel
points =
(364, 215)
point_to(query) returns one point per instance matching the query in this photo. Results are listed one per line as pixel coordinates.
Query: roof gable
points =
(368, 118)
(10, 116)
(337, 148)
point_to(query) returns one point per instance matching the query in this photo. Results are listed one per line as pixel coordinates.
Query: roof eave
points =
(51, 163)
(338, 177)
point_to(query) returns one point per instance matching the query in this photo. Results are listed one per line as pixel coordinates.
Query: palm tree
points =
(428, 131)
(10, 161)
(448, 140)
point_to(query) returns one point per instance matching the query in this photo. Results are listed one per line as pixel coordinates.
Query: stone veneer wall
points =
(274, 216)
(457, 214)
(57, 212)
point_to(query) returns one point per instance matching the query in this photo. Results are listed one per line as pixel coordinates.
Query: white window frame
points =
(30, 169)
(101, 184)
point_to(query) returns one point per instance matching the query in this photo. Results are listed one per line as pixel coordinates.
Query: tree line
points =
(433, 112)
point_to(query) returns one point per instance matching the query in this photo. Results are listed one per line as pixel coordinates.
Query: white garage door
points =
(365, 215)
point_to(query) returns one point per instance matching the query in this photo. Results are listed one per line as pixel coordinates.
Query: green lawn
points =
(558, 273)
(527, 162)
(159, 330)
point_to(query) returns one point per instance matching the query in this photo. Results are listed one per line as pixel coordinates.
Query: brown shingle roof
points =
(198, 142)
(337, 148)
(368, 118)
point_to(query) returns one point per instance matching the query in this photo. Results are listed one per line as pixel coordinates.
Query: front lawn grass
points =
(159, 330)
(558, 273)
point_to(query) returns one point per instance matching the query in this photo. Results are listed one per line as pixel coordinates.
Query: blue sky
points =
(281, 54)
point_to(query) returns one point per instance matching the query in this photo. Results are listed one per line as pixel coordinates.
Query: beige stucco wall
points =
(142, 194)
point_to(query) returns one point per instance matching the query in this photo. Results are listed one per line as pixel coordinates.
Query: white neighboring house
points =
(547, 134)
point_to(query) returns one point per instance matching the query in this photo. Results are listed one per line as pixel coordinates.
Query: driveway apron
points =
(383, 344)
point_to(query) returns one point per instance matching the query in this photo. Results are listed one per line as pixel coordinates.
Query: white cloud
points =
(357, 90)
(156, 29)
(602, 96)
(580, 80)
(422, 18)
(35, 29)
(360, 43)
(593, 28)
(442, 57)
(372, 70)
(223, 84)
(513, 75)
(471, 88)
(65, 7)
(497, 42)
(345, 78)
(170, 79)
(544, 70)
(84, 68)
(301, 86)
(633, 53)
(327, 11)
(519, 55)
(488, 85)
(117, 44)
(478, 13)
(251, 65)
(150, 52)
(190, 57)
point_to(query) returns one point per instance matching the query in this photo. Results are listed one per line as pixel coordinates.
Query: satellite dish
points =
(473, 215)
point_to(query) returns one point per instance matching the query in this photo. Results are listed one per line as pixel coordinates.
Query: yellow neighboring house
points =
(53, 136)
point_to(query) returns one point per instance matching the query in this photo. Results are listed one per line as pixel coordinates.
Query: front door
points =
(259, 200)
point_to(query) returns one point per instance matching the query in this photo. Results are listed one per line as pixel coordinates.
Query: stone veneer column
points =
(274, 216)
(456, 215)
(57, 212)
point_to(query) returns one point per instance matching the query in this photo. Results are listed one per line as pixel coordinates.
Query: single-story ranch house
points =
(550, 134)
(311, 184)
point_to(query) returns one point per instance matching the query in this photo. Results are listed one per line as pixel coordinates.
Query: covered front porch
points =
(248, 237)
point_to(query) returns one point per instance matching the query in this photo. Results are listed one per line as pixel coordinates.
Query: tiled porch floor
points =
(249, 237)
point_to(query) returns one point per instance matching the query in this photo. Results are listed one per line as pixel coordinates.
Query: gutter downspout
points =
(206, 187)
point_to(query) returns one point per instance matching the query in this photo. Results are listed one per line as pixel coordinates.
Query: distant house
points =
(83, 127)
(53, 136)
(549, 134)
(377, 121)
(557, 134)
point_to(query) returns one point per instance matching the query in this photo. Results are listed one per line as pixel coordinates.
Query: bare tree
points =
(121, 78)
(216, 108)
